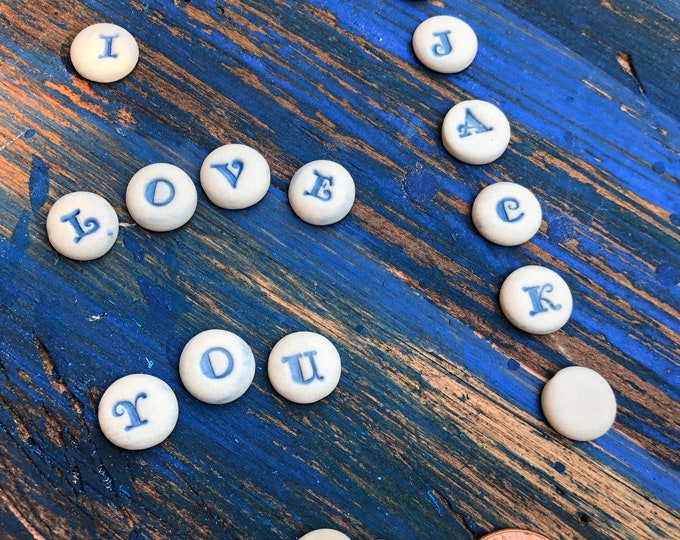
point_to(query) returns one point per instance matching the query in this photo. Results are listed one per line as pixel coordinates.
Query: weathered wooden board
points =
(435, 430)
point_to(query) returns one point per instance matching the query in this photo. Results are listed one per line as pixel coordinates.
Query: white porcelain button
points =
(216, 366)
(325, 534)
(304, 367)
(506, 213)
(161, 197)
(235, 176)
(445, 44)
(104, 52)
(321, 192)
(138, 411)
(579, 403)
(82, 225)
(475, 132)
(536, 299)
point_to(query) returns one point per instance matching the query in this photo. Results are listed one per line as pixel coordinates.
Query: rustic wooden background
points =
(435, 430)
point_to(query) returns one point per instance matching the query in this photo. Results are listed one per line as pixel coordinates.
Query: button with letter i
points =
(104, 52)
(536, 299)
(304, 367)
(82, 226)
(506, 213)
(445, 44)
(475, 132)
(138, 411)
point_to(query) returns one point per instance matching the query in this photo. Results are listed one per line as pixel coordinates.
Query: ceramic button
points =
(536, 299)
(216, 366)
(235, 176)
(138, 411)
(579, 403)
(325, 534)
(445, 44)
(506, 213)
(321, 192)
(104, 52)
(304, 367)
(475, 132)
(82, 225)
(161, 197)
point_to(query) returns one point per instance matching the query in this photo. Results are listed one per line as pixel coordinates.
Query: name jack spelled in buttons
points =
(579, 403)
(104, 52)
(321, 192)
(445, 44)
(82, 225)
(506, 213)
(235, 176)
(536, 299)
(138, 411)
(304, 367)
(161, 197)
(216, 366)
(475, 132)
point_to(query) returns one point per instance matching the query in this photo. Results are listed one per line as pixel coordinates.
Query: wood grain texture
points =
(435, 430)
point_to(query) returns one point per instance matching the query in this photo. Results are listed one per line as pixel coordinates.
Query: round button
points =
(321, 192)
(475, 132)
(161, 197)
(216, 366)
(579, 403)
(325, 534)
(104, 52)
(235, 176)
(506, 213)
(445, 44)
(304, 367)
(536, 299)
(138, 411)
(82, 225)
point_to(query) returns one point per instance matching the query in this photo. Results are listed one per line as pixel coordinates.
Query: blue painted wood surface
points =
(435, 430)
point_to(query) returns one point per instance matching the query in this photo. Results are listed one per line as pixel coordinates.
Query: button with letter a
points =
(536, 299)
(506, 213)
(445, 44)
(475, 132)
(304, 367)
(138, 411)
(104, 52)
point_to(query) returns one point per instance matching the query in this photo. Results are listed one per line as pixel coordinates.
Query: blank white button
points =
(321, 192)
(82, 225)
(475, 132)
(104, 52)
(445, 44)
(216, 366)
(506, 213)
(536, 299)
(138, 411)
(325, 534)
(161, 197)
(304, 367)
(579, 403)
(235, 176)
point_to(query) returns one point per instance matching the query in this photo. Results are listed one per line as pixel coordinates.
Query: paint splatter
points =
(38, 183)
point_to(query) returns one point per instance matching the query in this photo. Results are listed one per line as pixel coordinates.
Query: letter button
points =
(216, 366)
(104, 52)
(475, 132)
(82, 226)
(445, 44)
(579, 403)
(536, 299)
(325, 534)
(161, 197)
(304, 367)
(138, 411)
(235, 176)
(321, 192)
(506, 213)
